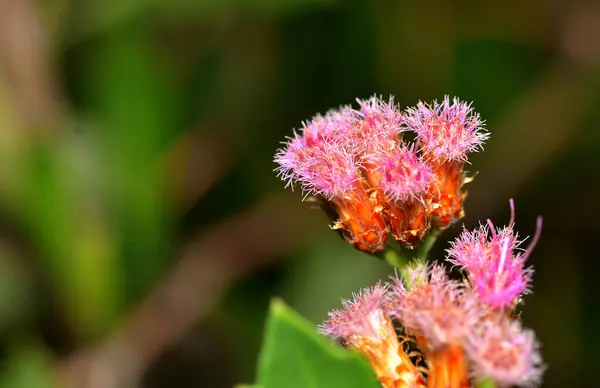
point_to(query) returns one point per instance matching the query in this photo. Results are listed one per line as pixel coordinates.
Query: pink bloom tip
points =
(494, 262)
(505, 353)
(404, 174)
(384, 118)
(317, 160)
(363, 315)
(447, 130)
(430, 304)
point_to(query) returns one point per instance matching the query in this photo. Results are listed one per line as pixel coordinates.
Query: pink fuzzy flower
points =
(403, 175)
(434, 307)
(363, 315)
(381, 120)
(363, 324)
(328, 170)
(333, 127)
(494, 262)
(506, 353)
(446, 131)
(378, 112)
(318, 159)
(324, 158)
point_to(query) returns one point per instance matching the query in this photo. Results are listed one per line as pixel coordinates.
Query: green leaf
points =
(135, 102)
(295, 355)
(81, 257)
(28, 365)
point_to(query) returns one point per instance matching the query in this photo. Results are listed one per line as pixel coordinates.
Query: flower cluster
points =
(373, 183)
(363, 324)
(465, 330)
(494, 264)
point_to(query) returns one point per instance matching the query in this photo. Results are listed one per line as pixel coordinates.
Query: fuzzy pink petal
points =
(447, 130)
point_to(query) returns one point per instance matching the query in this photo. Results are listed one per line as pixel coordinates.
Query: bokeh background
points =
(143, 232)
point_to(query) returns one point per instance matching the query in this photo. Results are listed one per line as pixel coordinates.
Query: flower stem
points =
(398, 256)
(393, 257)
(420, 253)
(486, 383)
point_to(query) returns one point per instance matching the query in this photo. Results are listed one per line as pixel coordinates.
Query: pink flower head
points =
(505, 353)
(447, 131)
(494, 262)
(403, 174)
(362, 316)
(334, 126)
(328, 170)
(363, 324)
(383, 120)
(376, 125)
(318, 159)
(432, 306)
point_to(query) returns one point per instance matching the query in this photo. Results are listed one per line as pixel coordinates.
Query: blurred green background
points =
(143, 232)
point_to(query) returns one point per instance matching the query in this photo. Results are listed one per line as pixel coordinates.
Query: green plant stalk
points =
(393, 257)
(486, 383)
(398, 256)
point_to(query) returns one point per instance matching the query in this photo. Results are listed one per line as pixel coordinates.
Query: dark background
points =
(143, 232)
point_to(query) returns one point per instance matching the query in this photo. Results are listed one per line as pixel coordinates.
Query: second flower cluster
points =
(371, 181)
